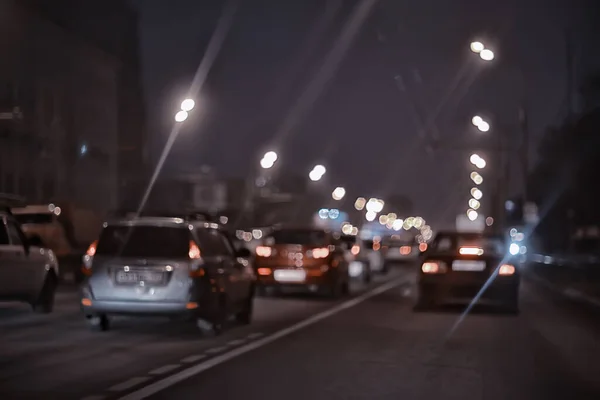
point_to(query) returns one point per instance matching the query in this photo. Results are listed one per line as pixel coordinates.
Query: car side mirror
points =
(243, 253)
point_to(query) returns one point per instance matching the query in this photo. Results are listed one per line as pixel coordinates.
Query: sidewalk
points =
(573, 279)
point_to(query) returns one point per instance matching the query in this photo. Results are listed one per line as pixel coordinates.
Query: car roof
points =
(172, 222)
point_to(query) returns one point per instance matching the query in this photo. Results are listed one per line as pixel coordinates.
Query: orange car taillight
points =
(405, 250)
(506, 270)
(196, 263)
(433, 267)
(88, 258)
(264, 251)
(320, 253)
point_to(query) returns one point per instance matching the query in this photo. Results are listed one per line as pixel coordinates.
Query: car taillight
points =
(355, 249)
(320, 253)
(506, 270)
(264, 251)
(405, 250)
(423, 247)
(470, 251)
(88, 258)
(433, 267)
(195, 256)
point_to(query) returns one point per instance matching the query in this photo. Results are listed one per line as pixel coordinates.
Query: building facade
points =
(71, 110)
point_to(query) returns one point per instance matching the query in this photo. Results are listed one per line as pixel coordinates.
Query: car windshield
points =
(144, 242)
(304, 237)
(452, 243)
(34, 218)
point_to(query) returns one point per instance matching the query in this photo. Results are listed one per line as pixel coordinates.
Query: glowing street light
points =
(360, 203)
(472, 214)
(476, 120)
(476, 193)
(486, 55)
(338, 193)
(483, 126)
(474, 159)
(477, 47)
(480, 163)
(370, 216)
(188, 105)
(475, 177)
(317, 173)
(181, 116)
(474, 204)
(268, 160)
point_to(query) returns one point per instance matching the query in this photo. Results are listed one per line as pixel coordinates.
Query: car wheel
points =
(45, 301)
(245, 316)
(99, 323)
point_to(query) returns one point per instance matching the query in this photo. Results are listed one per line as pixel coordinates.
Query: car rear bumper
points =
(325, 278)
(502, 288)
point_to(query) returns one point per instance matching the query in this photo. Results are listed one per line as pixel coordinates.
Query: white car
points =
(28, 271)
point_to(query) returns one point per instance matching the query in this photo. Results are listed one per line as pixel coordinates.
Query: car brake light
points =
(506, 270)
(320, 253)
(264, 251)
(86, 269)
(470, 251)
(355, 249)
(194, 252)
(405, 250)
(423, 247)
(433, 267)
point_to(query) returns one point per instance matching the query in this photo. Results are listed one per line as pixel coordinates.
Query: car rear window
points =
(303, 237)
(489, 244)
(144, 242)
(40, 218)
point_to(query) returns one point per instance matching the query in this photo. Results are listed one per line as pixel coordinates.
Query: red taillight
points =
(320, 253)
(423, 247)
(405, 250)
(194, 252)
(86, 269)
(264, 251)
(433, 267)
(355, 249)
(91, 251)
(506, 270)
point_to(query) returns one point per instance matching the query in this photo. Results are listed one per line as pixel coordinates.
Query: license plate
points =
(291, 275)
(462, 265)
(139, 276)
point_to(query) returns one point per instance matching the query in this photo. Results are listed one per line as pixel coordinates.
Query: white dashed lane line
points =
(236, 342)
(194, 358)
(164, 369)
(129, 384)
(255, 335)
(215, 350)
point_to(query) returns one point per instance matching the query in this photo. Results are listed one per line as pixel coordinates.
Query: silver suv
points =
(166, 266)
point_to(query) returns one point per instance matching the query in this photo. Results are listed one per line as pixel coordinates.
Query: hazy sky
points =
(409, 63)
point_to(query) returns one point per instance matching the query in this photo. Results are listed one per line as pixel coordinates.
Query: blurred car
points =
(399, 249)
(28, 271)
(302, 258)
(169, 266)
(458, 266)
(359, 268)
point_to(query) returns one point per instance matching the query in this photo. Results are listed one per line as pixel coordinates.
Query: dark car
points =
(458, 266)
(302, 258)
(166, 266)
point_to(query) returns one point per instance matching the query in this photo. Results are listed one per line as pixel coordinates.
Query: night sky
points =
(409, 63)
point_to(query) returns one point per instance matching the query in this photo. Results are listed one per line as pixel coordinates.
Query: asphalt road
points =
(369, 346)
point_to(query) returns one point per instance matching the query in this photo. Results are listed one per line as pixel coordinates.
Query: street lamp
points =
(474, 159)
(483, 126)
(475, 177)
(181, 116)
(317, 173)
(476, 193)
(268, 160)
(472, 214)
(188, 105)
(477, 47)
(486, 55)
(338, 193)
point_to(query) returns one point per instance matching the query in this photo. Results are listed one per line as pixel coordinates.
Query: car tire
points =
(99, 323)
(245, 316)
(44, 304)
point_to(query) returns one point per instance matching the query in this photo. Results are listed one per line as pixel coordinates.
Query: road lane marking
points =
(215, 350)
(171, 380)
(129, 384)
(255, 335)
(236, 342)
(194, 358)
(164, 369)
